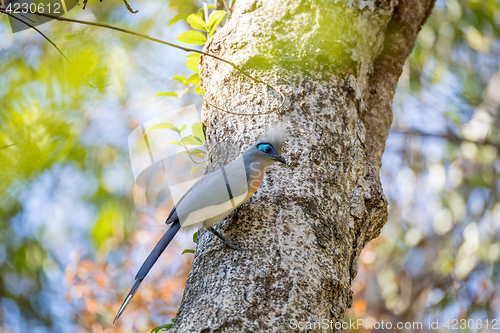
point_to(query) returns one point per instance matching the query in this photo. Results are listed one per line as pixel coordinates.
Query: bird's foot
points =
(231, 245)
(225, 241)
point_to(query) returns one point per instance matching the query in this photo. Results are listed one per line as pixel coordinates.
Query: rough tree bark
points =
(338, 63)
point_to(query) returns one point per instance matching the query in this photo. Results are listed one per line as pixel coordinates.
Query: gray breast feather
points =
(217, 193)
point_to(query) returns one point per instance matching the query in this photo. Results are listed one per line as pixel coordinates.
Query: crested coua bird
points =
(216, 195)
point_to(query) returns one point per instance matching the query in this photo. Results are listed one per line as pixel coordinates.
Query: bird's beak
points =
(279, 158)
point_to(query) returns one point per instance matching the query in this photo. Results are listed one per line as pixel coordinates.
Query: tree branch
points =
(227, 7)
(400, 36)
(447, 136)
(130, 8)
(186, 49)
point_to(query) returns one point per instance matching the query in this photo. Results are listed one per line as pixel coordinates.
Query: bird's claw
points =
(225, 241)
(231, 245)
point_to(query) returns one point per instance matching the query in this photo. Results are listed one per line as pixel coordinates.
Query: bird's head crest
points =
(275, 135)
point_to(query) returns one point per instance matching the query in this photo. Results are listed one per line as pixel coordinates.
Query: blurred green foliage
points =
(438, 254)
(43, 120)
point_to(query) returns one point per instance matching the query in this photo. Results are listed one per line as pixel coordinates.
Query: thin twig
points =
(54, 45)
(448, 136)
(238, 114)
(205, 9)
(26, 17)
(186, 49)
(130, 8)
(187, 151)
(227, 7)
(84, 3)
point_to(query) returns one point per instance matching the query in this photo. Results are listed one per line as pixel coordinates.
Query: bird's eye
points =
(266, 148)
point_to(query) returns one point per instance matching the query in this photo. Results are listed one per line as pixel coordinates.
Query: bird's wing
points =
(216, 193)
(173, 213)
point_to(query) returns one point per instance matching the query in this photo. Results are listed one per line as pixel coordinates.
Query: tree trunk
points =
(338, 63)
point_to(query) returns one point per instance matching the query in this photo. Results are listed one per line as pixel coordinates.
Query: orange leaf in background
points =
(96, 328)
(86, 265)
(170, 287)
(91, 305)
(79, 290)
(359, 307)
(101, 279)
(69, 275)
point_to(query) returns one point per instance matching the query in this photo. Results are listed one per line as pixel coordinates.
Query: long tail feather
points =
(150, 261)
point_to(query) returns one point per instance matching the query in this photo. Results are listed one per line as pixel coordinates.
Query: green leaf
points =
(198, 168)
(170, 93)
(199, 91)
(174, 143)
(191, 140)
(187, 251)
(195, 235)
(192, 37)
(214, 20)
(180, 78)
(198, 131)
(163, 125)
(162, 327)
(183, 127)
(192, 62)
(103, 228)
(194, 79)
(177, 18)
(196, 22)
(197, 152)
